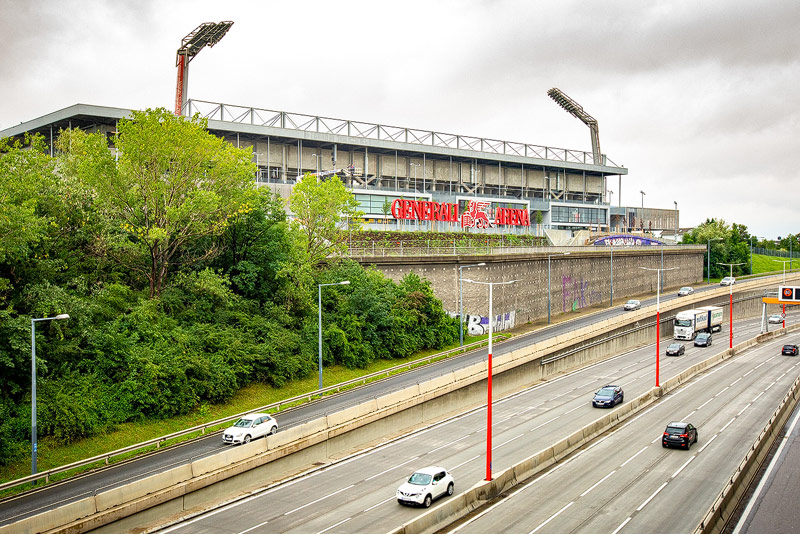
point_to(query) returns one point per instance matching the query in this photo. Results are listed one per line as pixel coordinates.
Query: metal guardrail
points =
(367, 130)
(307, 397)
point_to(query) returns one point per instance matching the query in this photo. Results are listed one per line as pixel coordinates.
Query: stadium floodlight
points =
(576, 110)
(207, 34)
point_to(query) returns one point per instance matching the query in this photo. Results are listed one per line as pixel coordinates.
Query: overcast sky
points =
(700, 101)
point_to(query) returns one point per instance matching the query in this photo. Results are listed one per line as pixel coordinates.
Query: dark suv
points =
(679, 434)
(790, 350)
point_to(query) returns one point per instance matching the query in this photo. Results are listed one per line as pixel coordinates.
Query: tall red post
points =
(784, 316)
(489, 400)
(731, 319)
(658, 345)
(181, 86)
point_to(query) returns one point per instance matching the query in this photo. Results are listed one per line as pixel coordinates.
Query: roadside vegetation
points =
(189, 290)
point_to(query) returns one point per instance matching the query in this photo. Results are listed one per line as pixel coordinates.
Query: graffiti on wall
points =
(478, 325)
(576, 294)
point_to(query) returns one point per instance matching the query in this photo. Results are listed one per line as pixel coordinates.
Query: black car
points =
(679, 434)
(790, 350)
(676, 349)
(703, 340)
(608, 397)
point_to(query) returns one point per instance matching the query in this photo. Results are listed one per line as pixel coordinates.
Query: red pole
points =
(731, 318)
(658, 347)
(180, 87)
(784, 316)
(489, 400)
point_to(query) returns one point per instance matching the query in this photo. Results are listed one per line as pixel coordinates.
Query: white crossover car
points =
(250, 427)
(426, 485)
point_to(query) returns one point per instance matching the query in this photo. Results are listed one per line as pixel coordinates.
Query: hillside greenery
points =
(184, 283)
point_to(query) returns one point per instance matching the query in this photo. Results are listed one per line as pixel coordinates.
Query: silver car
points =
(727, 281)
(632, 305)
(775, 318)
(685, 290)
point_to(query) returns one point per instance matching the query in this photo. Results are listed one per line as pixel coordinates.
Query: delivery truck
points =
(690, 322)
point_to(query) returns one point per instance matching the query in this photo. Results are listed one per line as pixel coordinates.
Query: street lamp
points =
(730, 306)
(611, 298)
(548, 281)
(317, 164)
(677, 226)
(708, 264)
(658, 316)
(34, 444)
(643, 194)
(751, 252)
(319, 305)
(461, 301)
(489, 379)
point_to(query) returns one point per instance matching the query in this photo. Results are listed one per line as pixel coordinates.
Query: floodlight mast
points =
(208, 33)
(576, 110)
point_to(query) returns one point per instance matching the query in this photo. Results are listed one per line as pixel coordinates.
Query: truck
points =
(689, 323)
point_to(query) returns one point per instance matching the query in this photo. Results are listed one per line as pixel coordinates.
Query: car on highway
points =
(685, 290)
(727, 281)
(775, 318)
(679, 434)
(250, 427)
(676, 349)
(425, 486)
(790, 350)
(703, 339)
(632, 305)
(608, 396)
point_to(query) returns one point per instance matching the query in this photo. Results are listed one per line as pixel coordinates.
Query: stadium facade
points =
(407, 178)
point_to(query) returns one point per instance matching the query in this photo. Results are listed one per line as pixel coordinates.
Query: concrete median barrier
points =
(58, 517)
(129, 492)
(231, 455)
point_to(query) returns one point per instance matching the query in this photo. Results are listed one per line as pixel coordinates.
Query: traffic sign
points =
(789, 294)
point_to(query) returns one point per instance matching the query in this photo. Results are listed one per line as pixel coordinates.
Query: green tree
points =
(321, 209)
(728, 245)
(172, 184)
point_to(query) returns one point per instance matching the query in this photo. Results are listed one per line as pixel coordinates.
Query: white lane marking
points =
(765, 477)
(448, 444)
(540, 426)
(586, 384)
(734, 382)
(320, 499)
(727, 424)
(782, 375)
(708, 442)
(627, 366)
(690, 414)
(551, 518)
(529, 408)
(380, 503)
(598, 483)
(757, 396)
(742, 411)
(748, 372)
(622, 525)
(634, 456)
(723, 391)
(658, 438)
(650, 498)
(254, 527)
(769, 386)
(643, 376)
(706, 402)
(509, 441)
(334, 526)
(463, 463)
(574, 409)
(681, 467)
(392, 468)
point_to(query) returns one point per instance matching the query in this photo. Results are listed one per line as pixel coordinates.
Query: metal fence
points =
(399, 248)
(776, 253)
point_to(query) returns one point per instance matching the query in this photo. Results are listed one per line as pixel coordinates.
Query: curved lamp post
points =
(34, 444)
(489, 378)
(730, 306)
(461, 300)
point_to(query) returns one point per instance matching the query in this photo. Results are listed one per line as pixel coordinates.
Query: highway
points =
(57, 494)
(358, 494)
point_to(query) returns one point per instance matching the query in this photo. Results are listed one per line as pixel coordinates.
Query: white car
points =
(686, 290)
(426, 485)
(775, 318)
(727, 281)
(250, 427)
(632, 305)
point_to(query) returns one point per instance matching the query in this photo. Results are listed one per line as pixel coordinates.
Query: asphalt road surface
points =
(358, 494)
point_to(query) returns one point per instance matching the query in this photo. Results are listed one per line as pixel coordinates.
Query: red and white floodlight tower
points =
(208, 33)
